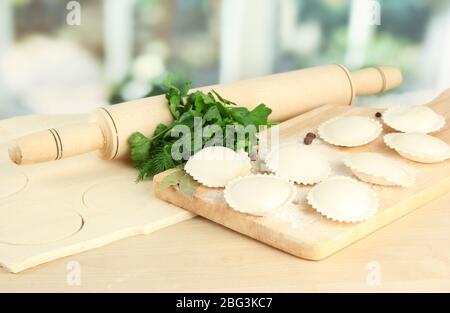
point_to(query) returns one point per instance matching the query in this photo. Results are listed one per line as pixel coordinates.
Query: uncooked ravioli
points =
(418, 147)
(343, 199)
(259, 194)
(349, 131)
(420, 119)
(298, 163)
(377, 169)
(216, 166)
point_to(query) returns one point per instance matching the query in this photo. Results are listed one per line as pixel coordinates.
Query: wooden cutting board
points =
(304, 232)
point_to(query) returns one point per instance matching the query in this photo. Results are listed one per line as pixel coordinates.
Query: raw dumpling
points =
(343, 199)
(298, 163)
(259, 194)
(420, 119)
(418, 147)
(377, 169)
(350, 131)
(216, 166)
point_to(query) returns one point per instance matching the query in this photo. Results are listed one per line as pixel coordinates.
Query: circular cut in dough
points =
(12, 181)
(343, 199)
(377, 169)
(34, 224)
(420, 119)
(106, 197)
(298, 163)
(216, 166)
(259, 194)
(418, 147)
(350, 131)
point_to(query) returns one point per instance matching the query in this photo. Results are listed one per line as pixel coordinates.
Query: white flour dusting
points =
(299, 213)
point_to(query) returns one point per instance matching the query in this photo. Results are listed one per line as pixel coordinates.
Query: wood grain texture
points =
(198, 255)
(316, 237)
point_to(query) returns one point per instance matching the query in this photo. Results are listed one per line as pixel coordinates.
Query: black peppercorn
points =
(309, 138)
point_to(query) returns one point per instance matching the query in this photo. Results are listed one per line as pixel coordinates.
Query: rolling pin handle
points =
(57, 143)
(374, 80)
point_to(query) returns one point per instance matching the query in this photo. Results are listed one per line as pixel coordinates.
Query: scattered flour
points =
(300, 213)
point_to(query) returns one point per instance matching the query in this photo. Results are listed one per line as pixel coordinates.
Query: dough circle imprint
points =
(35, 224)
(12, 181)
(122, 195)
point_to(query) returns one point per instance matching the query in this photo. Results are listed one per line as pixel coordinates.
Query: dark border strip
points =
(352, 92)
(116, 133)
(56, 143)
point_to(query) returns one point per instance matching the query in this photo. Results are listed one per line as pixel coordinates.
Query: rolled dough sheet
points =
(52, 210)
(48, 224)
(14, 181)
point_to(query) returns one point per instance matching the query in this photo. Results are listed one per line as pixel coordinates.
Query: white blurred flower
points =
(135, 89)
(303, 39)
(158, 47)
(147, 68)
(48, 75)
(197, 51)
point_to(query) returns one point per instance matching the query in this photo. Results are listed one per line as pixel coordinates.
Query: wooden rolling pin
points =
(287, 94)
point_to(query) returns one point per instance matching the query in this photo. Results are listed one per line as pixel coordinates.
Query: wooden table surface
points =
(411, 254)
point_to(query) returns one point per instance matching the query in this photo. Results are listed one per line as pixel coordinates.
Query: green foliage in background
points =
(395, 42)
(156, 88)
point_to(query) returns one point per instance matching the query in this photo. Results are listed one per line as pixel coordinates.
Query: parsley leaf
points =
(152, 155)
(140, 145)
(259, 115)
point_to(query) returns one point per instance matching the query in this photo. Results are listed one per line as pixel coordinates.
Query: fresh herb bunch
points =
(153, 155)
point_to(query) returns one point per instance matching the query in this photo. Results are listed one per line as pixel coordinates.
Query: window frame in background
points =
(255, 24)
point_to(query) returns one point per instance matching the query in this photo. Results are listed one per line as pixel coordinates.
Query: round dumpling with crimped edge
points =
(377, 169)
(216, 166)
(299, 163)
(343, 199)
(418, 147)
(259, 194)
(350, 131)
(420, 119)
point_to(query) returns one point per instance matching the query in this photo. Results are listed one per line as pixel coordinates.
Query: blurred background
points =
(60, 56)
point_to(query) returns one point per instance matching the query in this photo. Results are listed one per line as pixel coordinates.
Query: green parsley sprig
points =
(152, 155)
